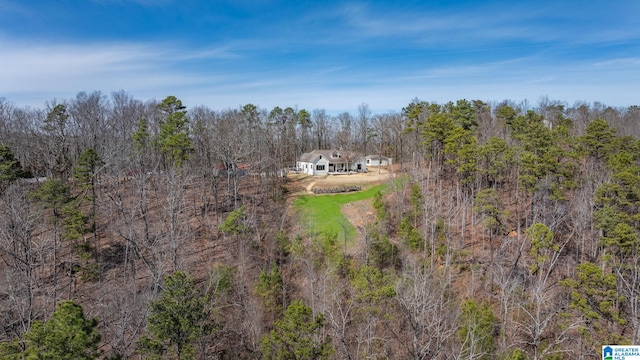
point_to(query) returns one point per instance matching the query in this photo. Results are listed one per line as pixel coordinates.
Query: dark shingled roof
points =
(331, 155)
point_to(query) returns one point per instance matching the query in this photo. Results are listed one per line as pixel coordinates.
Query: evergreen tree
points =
(299, 335)
(435, 132)
(477, 330)
(174, 140)
(176, 320)
(86, 172)
(74, 222)
(53, 194)
(496, 159)
(141, 136)
(142, 146)
(67, 335)
(10, 168)
(411, 236)
(461, 152)
(507, 115)
(372, 285)
(417, 202)
(56, 126)
(383, 253)
(487, 205)
(517, 354)
(616, 215)
(595, 297)
(66, 213)
(234, 223)
(464, 114)
(270, 289)
(380, 207)
(543, 249)
(598, 139)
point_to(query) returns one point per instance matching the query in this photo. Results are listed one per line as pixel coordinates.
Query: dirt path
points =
(362, 178)
(308, 182)
(310, 187)
(359, 214)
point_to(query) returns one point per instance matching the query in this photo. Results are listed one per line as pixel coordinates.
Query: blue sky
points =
(333, 55)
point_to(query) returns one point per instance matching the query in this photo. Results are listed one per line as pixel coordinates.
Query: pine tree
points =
(174, 140)
(299, 335)
(234, 223)
(176, 320)
(594, 296)
(496, 159)
(487, 205)
(67, 335)
(598, 139)
(464, 114)
(56, 125)
(411, 236)
(270, 288)
(477, 330)
(10, 168)
(86, 172)
(461, 152)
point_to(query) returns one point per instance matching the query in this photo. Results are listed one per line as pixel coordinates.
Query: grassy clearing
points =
(322, 213)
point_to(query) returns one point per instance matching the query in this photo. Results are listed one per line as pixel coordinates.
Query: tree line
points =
(146, 229)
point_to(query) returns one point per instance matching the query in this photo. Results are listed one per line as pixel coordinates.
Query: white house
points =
(320, 162)
(378, 160)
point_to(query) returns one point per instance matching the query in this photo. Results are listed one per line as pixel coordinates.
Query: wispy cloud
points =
(331, 70)
(66, 69)
(43, 62)
(627, 61)
(206, 54)
(478, 23)
(333, 54)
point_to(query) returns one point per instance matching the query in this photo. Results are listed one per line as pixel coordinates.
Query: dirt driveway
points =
(326, 181)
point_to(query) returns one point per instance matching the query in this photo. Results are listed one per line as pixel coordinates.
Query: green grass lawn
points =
(321, 213)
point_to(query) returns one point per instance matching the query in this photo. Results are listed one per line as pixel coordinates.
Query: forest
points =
(137, 229)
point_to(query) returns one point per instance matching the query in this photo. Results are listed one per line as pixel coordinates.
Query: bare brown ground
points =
(309, 182)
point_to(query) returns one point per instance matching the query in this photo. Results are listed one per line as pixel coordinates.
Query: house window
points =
(320, 167)
(368, 161)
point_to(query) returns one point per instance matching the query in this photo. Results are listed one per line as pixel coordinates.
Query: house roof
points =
(331, 155)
